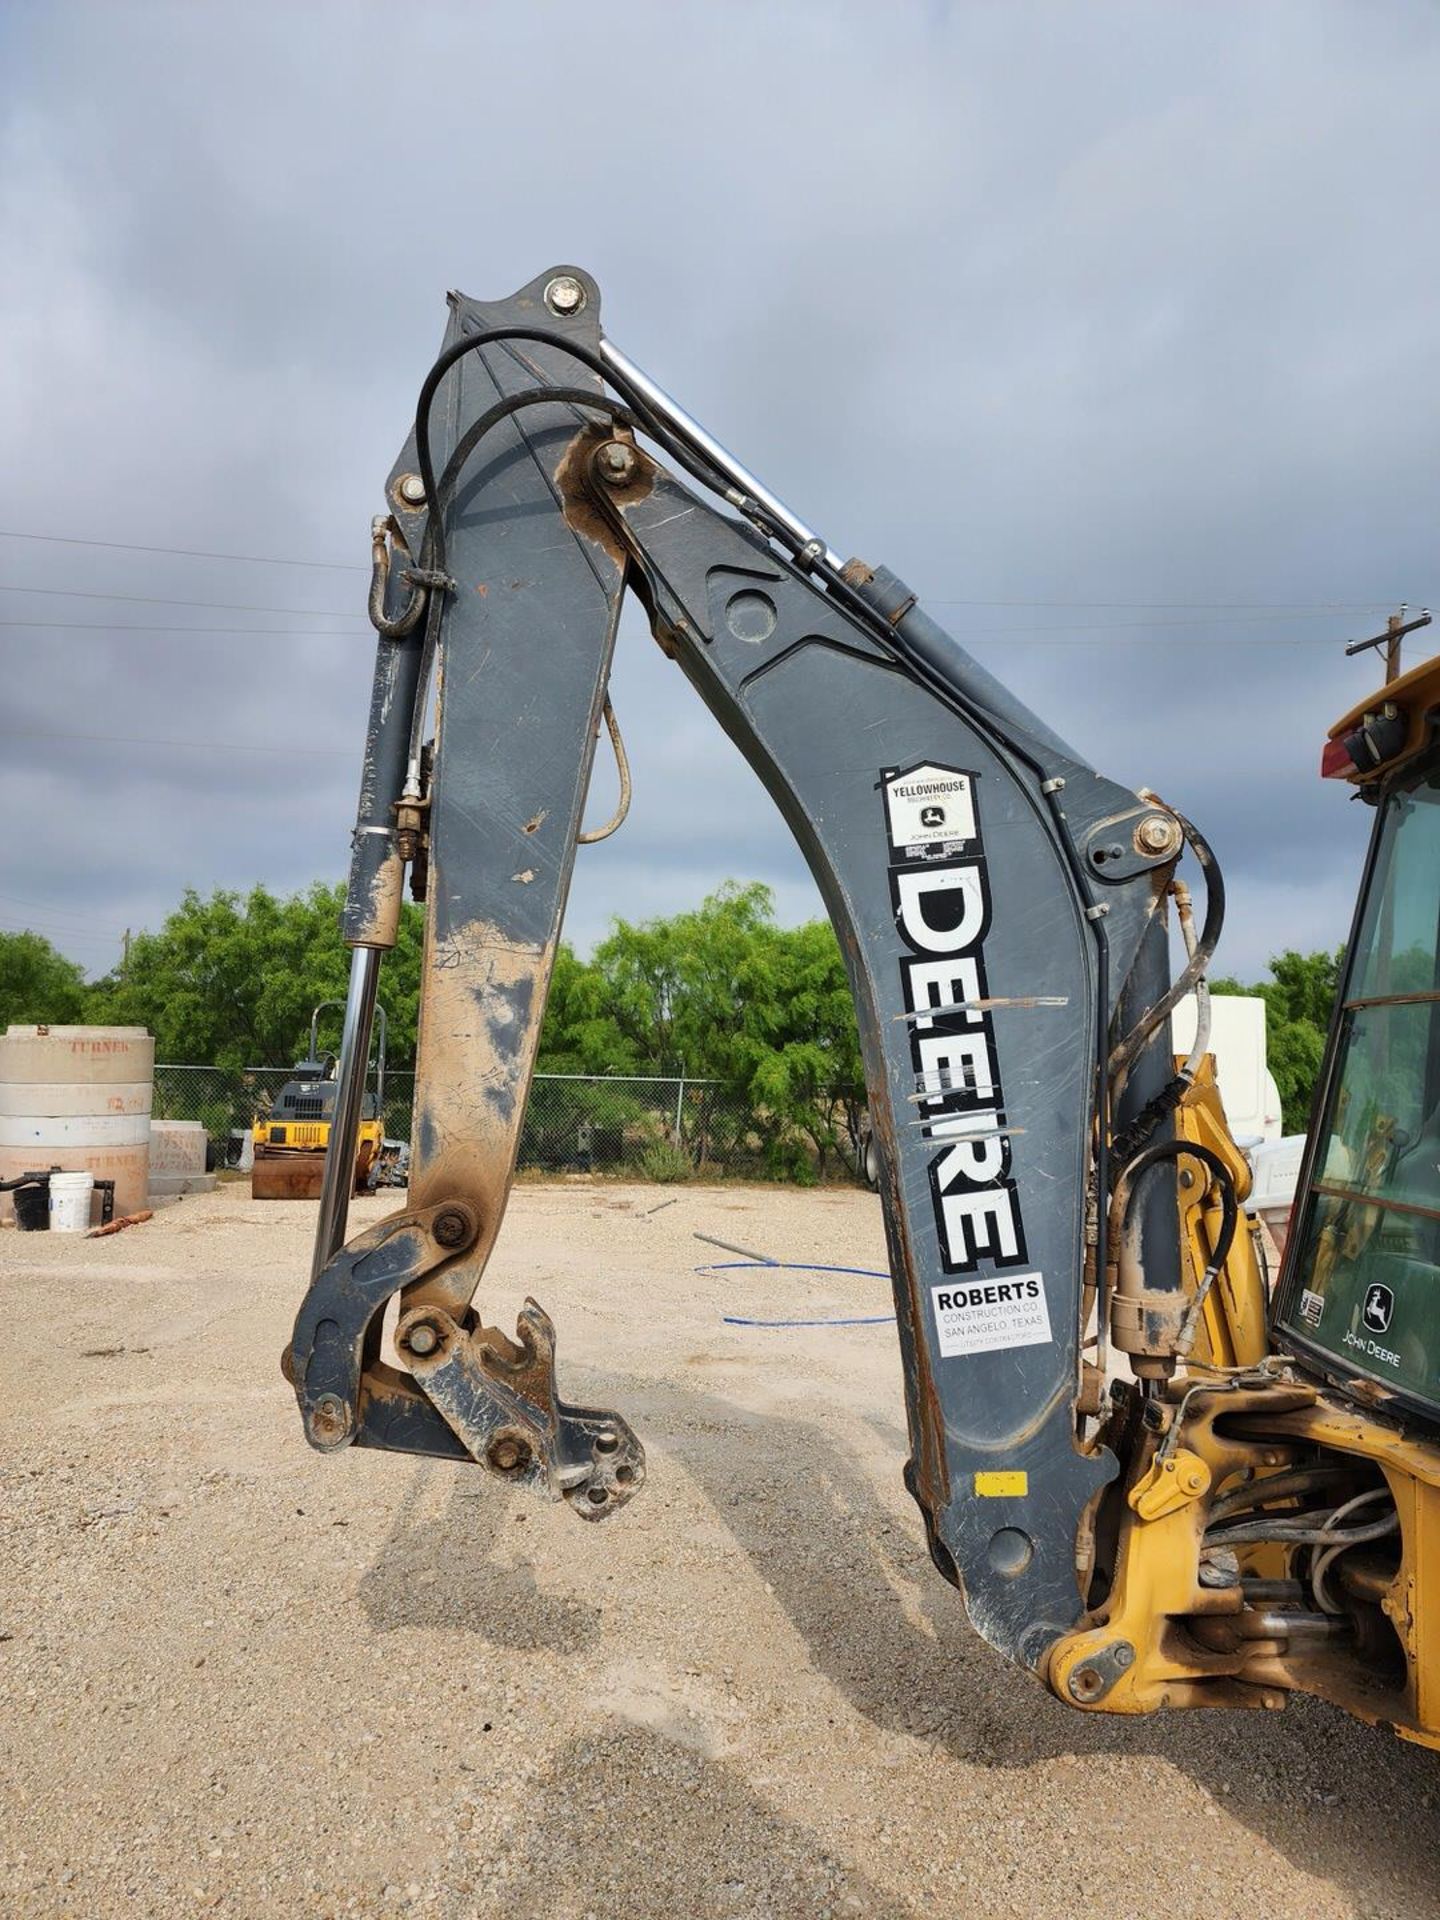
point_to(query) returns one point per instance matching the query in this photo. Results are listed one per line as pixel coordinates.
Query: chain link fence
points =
(656, 1129)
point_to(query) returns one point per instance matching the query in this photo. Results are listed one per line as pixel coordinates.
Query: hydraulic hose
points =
(1125, 1054)
(1128, 1186)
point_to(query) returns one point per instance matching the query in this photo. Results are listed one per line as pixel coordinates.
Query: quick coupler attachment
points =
(499, 1398)
(469, 1392)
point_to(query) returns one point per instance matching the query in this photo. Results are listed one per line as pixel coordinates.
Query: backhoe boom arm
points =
(999, 905)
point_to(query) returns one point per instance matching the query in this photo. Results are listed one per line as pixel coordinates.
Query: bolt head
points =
(508, 1453)
(411, 489)
(564, 295)
(617, 462)
(330, 1421)
(451, 1228)
(1085, 1683)
(1157, 834)
(1124, 1655)
(423, 1337)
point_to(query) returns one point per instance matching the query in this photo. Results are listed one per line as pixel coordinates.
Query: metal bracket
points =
(1088, 1684)
(1128, 844)
(500, 1399)
(470, 1390)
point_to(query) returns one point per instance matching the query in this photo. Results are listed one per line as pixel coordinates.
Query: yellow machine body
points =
(1182, 1624)
(289, 1155)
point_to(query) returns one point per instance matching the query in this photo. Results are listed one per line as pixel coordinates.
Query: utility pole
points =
(1396, 628)
(125, 957)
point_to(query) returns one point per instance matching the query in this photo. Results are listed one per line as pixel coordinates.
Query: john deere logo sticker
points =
(1379, 1305)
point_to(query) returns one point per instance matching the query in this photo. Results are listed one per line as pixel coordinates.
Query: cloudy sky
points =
(1112, 328)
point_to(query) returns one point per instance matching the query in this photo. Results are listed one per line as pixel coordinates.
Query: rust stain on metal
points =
(581, 497)
(485, 996)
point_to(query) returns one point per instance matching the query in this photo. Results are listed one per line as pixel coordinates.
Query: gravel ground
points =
(237, 1677)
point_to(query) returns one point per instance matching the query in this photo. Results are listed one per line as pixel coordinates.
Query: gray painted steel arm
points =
(988, 888)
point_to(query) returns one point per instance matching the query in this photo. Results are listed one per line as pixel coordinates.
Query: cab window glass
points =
(1367, 1278)
(1397, 947)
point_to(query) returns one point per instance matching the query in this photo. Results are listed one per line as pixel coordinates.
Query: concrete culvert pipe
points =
(78, 1098)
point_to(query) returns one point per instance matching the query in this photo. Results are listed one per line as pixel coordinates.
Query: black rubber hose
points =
(457, 350)
(531, 396)
(1176, 1150)
(1277, 1486)
(1310, 1533)
(432, 551)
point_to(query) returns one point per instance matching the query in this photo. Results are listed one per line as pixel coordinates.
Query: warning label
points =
(986, 1316)
(930, 806)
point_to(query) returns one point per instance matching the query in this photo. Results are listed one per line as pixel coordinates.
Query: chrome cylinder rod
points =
(703, 442)
(339, 1172)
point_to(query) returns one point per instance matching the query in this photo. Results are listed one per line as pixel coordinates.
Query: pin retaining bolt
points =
(451, 1228)
(617, 462)
(564, 295)
(1156, 834)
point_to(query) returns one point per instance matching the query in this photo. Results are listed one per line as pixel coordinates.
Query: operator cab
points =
(311, 1095)
(1359, 1297)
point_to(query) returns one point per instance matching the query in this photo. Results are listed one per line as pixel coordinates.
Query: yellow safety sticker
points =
(1002, 1486)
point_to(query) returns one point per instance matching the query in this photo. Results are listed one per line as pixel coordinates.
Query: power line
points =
(306, 752)
(53, 917)
(1121, 626)
(106, 626)
(1315, 607)
(1054, 630)
(1099, 606)
(184, 553)
(47, 927)
(57, 912)
(159, 600)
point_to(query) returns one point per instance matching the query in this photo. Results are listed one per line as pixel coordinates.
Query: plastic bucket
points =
(32, 1206)
(70, 1202)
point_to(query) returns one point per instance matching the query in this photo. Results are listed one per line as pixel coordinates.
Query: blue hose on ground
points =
(868, 1320)
(799, 1266)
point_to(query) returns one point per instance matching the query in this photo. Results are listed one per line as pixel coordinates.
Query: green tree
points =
(580, 1033)
(38, 986)
(230, 980)
(1298, 1000)
(721, 990)
(808, 1072)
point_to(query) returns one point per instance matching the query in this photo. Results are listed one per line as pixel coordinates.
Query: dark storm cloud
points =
(1039, 305)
